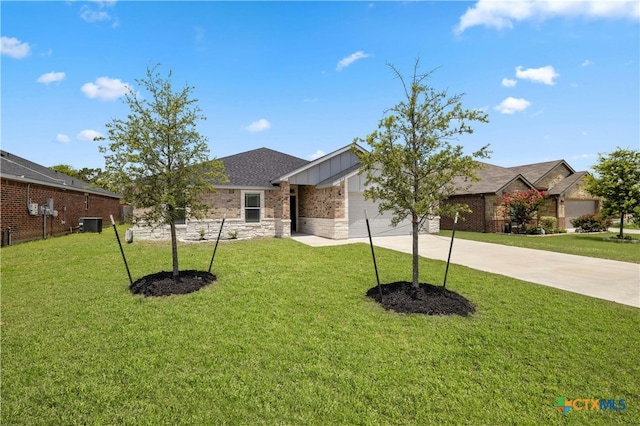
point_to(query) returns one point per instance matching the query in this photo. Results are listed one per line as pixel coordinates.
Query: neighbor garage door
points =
(380, 224)
(576, 208)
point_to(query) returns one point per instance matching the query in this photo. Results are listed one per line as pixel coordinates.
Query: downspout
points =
(484, 215)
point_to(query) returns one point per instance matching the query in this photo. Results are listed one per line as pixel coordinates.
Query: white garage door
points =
(380, 224)
(576, 208)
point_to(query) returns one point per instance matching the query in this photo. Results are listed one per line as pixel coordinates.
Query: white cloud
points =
(106, 88)
(500, 14)
(95, 12)
(13, 47)
(88, 135)
(539, 75)
(50, 77)
(587, 62)
(507, 82)
(513, 105)
(258, 126)
(345, 62)
(60, 138)
(319, 153)
(90, 15)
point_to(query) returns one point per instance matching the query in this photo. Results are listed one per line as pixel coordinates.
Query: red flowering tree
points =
(523, 206)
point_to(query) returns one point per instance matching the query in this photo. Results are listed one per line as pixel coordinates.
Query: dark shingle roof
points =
(566, 183)
(534, 172)
(18, 168)
(258, 167)
(492, 179)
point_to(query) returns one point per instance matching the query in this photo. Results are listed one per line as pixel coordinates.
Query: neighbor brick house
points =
(567, 198)
(38, 202)
(274, 194)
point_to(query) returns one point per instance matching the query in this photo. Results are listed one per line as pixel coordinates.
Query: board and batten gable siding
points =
(324, 170)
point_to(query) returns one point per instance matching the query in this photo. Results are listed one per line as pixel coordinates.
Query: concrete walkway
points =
(604, 279)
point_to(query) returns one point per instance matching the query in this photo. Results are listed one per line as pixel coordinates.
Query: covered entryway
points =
(380, 224)
(577, 208)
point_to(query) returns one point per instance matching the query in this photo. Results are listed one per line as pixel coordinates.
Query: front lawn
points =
(287, 336)
(591, 245)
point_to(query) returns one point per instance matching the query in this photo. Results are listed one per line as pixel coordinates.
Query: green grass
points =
(286, 336)
(591, 245)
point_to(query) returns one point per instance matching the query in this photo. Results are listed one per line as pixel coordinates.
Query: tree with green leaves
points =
(617, 180)
(412, 166)
(86, 174)
(157, 156)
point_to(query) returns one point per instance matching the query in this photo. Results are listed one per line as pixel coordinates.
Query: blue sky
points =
(559, 80)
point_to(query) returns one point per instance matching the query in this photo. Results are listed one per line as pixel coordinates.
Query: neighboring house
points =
(274, 194)
(38, 202)
(567, 198)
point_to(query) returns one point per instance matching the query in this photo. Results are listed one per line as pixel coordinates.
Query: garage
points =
(380, 224)
(577, 208)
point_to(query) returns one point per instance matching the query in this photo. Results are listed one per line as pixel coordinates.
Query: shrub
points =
(592, 222)
(548, 223)
(523, 206)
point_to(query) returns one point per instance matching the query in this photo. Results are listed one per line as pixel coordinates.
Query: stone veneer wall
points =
(555, 176)
(233, 228)
(228, 202)
(336, 229)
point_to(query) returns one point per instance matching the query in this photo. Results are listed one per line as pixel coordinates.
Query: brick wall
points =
(70, 205)
(324, 203)
(275, 217)
(224, 202)
(473, 221)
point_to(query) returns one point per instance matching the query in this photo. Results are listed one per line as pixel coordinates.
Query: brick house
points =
(567, 198)
(274, 194)
(37, 202)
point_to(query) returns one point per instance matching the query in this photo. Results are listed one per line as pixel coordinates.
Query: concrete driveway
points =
(604, 279)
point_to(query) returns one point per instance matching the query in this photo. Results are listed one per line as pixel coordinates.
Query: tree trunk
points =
(415, 225)
(621, 224)
(174, 249)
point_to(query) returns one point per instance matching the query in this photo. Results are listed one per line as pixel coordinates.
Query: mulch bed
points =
(427, 299)
(163, 284)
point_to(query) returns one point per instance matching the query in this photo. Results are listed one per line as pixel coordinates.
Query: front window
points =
(251, 207)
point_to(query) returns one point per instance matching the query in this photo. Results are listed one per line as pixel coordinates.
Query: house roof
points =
(20, 169)
(319, 160)
(566, 183)
(535, 172)
(492, 180)
(259, 167)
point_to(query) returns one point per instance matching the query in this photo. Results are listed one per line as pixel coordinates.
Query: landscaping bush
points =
(593, 222)
(548, 223)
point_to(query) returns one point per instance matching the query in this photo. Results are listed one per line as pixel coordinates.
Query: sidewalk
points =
(604, 279)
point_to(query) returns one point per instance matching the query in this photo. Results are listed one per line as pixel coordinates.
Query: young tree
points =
(524, 206)
(412, 166)
(158, 157)
(617, 179)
